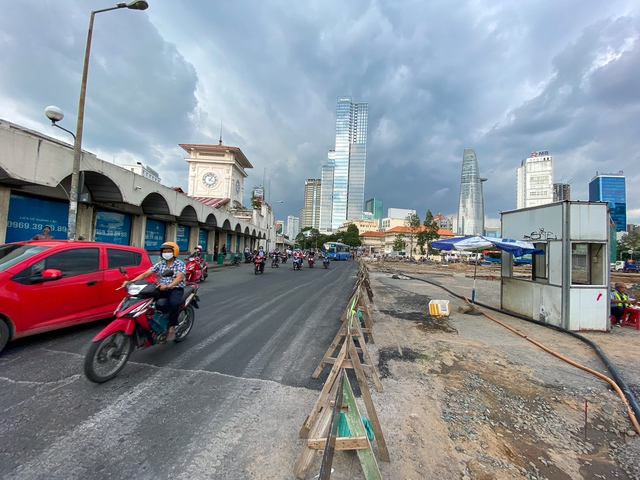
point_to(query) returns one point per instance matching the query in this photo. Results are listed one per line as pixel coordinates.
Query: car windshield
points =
(11, 254)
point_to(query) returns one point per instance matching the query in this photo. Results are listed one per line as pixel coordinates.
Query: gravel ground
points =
(466, 398)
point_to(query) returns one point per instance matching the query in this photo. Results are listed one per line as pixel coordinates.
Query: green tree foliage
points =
(256, 203)
(429, 233)
(399, 244)
(412, 222)
(352, 236)
(629, 241)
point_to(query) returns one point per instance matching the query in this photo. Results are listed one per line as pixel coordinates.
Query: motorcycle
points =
(258, 263)
(248, 258)
(275, 261)
(284, 259)
(197, 269)
(139, 324)
(297, 263)
(237, 259)
(325, 262)
(311, 261)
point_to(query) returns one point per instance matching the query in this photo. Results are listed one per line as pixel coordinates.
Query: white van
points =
(619, 265)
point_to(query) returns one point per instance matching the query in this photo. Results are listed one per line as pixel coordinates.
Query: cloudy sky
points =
(504, 78)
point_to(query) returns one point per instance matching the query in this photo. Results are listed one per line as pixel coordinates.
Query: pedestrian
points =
(620, 301)
(224, 249)
(45, 235)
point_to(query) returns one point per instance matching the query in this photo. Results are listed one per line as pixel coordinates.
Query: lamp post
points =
(77, 144)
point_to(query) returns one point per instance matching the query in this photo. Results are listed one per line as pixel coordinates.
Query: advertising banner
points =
(113, 227)
(154, 234)
(279, 227)
(28, 216)
(182, 237)
(203, 236)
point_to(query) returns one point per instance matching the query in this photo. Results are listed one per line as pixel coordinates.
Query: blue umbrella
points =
(477, 242)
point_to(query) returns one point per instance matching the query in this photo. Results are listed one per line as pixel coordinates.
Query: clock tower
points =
(216, 171)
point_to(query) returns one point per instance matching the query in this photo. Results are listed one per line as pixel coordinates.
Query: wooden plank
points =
(320, 429)
(308, 423)
(367, 365)
(342, 443)
(335, 343)
(368, 402)
(356, 427)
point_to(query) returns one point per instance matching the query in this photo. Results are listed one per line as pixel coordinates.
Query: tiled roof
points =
(212, 202)
(187, 147)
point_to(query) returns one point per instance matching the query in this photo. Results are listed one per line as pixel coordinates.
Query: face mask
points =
(167, 255)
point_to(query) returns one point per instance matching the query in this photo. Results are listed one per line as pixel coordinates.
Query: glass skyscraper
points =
(374, 205)
(471, 206)
(347, 168)
(611, 188)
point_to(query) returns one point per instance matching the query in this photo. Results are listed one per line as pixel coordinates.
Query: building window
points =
(539, 263)
(587, 264)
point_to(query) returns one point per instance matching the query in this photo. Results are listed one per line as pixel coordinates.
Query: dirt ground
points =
(465, 398)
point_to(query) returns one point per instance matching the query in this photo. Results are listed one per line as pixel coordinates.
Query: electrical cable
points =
(619, 385)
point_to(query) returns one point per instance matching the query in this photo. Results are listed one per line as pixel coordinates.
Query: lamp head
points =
(138, 5)
(53, 113)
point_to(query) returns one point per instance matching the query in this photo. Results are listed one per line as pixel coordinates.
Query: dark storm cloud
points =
(504, 79)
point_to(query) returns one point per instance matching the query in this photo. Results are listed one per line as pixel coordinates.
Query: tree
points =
(256, 203)
(629, 241)
(399, 244)
(412, 222)
(352, 236)
(429, 233)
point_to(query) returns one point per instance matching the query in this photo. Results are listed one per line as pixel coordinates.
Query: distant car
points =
(619, 265)
(46, 285)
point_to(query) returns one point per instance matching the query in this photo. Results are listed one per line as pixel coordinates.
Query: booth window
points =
(539, 263)
(587, 262)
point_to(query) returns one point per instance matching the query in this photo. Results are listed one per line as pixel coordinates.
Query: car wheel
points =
(4, 334)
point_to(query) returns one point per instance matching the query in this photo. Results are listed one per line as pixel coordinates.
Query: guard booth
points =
(568, 285)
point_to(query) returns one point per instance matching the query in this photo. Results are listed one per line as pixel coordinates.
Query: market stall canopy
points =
(478, 242)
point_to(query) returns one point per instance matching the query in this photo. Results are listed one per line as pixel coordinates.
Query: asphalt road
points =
(202, 408)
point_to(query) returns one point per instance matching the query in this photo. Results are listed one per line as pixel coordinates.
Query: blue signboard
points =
(154, 234)
(182, 237)
(28, 216)
(113, 227)
(203, 236)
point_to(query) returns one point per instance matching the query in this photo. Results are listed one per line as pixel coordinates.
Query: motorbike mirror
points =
(167, 273)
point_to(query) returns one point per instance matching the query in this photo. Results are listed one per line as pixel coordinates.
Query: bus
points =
(492, 256)
(337, 251)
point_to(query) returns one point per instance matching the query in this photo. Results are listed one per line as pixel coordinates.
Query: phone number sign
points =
(29, 215)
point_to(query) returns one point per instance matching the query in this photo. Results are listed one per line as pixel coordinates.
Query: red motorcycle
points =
(138, 324)
(258, 263)
(311, 261)
(197, 269)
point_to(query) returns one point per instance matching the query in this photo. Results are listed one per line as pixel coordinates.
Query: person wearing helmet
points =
(197, 251)
(171, 288)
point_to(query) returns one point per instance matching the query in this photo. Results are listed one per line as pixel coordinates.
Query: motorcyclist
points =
(260, 254)
(197, 252)
(171, 288)
(247, 252)
(276, 255)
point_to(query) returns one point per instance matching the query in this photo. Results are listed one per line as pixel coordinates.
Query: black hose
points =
(614, 373)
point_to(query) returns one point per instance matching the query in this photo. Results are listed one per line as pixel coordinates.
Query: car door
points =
(133, 262)
(73, 298)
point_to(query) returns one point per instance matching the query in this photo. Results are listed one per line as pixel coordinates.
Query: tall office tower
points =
(561, 192)
(471, 206)
(374, 205)
(534, 180)
(311, 205)
(348, 167)
(326, 193)
(293, 227)
(612, 188)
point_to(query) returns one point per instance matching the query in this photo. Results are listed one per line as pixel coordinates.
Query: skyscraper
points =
(471, 206)
(612, 188)
(293, 227)
(534, 180)
(347, 169)
(311, 205)
(326, 193)
(374, 205)
(561, 192)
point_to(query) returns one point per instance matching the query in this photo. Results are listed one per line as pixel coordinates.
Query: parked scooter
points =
(237, 259)
(258, 263)
(139, 323)
(197, 269)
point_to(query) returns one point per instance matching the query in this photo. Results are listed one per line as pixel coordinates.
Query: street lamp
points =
(55, 114)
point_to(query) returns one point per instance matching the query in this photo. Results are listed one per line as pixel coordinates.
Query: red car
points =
(46, 285)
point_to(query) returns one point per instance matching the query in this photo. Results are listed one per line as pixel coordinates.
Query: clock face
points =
(209, 179)
(237, 186)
